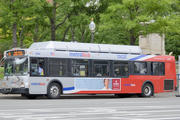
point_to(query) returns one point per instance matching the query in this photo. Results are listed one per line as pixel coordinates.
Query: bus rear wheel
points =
(54, 91)
(147, 90)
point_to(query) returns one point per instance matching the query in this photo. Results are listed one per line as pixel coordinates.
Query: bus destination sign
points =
(16, 53)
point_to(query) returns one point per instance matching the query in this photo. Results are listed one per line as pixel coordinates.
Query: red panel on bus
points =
(115, 84)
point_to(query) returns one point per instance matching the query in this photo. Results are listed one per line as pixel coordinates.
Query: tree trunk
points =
(83, 35)
(66, 31)
(14, 38)
(14, 28)
(53, 30)
(36, 30)
(21, 36)
(73, 33)
(132, 37)
(53, 22)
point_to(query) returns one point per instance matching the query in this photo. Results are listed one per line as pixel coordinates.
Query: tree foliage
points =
(23, 22)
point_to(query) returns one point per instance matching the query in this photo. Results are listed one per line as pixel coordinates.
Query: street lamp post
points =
(92, 27)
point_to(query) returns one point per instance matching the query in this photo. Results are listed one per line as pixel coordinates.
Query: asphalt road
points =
(102, 107)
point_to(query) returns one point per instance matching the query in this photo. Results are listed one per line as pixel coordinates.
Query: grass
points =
(1, 73)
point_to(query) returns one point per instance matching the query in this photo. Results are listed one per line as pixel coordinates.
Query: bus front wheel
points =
(54, 91)
(147, 90)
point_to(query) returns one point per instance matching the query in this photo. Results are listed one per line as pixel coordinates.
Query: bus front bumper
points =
(14, 90)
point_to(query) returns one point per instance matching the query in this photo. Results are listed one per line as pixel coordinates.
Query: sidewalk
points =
(167, 94)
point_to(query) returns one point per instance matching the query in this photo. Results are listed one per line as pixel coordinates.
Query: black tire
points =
(147, 90)
(54, 91)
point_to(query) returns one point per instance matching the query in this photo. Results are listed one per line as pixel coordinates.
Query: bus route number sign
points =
(16, 53)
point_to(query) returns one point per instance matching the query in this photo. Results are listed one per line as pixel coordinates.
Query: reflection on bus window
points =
(8, 68)
(157, 68)
(80, 68)
(120, 69)
(16, 66)
(57, 67)
(154, 68)
(161, 69)
(101, 68)
(140, 68)
(37, 67)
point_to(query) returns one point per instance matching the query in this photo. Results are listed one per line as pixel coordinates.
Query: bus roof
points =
(85, 47)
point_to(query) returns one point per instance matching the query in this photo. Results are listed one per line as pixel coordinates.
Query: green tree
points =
(173, 32)
(16, 19)
(129, 14)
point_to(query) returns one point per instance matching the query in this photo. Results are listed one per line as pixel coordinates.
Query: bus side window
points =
(158, 68)
(161, 68)
(101, 68)
(37, 67)
(80, 68)
(121, 69)
(57, 67)
(140, 68)
(155, 68)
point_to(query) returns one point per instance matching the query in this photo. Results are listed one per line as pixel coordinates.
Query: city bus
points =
(56, 68)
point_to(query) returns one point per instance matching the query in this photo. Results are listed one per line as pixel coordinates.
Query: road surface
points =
(100, 107)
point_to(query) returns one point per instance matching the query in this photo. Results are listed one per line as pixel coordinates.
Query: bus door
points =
(38, 72)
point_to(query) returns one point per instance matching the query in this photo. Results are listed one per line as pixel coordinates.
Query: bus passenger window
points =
(57, 67)
(157, 68)
(101, 68)
(80, 68)
(161, 69)
(37, 67)
(121, 69)
(140, 68)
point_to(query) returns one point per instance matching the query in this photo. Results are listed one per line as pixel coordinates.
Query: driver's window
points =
(37, 67)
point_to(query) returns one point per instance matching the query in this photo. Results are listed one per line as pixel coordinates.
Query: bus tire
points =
(147, 90)
(54, 91)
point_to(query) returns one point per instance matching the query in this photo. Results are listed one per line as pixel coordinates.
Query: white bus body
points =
(25, 83)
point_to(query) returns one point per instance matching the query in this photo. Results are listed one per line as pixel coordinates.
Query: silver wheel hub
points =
(54, 91)
(147, 91)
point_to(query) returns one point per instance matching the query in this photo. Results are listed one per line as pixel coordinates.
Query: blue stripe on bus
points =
(35, 83)
(138, 57)
(68, 88)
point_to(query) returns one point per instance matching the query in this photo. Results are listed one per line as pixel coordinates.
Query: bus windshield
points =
(16, 66)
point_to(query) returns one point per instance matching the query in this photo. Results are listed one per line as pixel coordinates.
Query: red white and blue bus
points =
(56, 68)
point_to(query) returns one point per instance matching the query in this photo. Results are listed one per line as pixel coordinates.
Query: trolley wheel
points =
(147, 90)
(54, 91)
